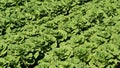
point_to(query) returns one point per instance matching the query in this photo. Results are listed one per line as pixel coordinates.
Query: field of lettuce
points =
(59, 33)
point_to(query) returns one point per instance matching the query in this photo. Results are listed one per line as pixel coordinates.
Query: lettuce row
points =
(59, 33)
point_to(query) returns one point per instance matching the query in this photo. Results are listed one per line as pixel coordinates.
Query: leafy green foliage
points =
(59, 33)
